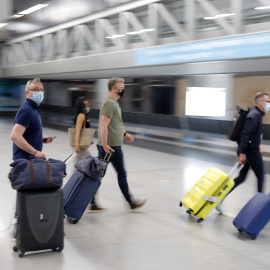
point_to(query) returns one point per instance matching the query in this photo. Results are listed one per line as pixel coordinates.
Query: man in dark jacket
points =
(248, 150)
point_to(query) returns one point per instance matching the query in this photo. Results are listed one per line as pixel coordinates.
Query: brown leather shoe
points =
(137, 203)
(96, 208)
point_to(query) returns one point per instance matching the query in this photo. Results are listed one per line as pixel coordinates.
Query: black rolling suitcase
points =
(40, 216)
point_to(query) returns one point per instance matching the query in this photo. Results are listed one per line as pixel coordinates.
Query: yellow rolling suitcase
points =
(208, 192)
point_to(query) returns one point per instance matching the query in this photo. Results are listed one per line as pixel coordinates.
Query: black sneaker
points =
(95, 208)
(137, 203)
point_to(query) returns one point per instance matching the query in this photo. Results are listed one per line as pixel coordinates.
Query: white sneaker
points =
(219, 207)
(14, 221)
(12, 230)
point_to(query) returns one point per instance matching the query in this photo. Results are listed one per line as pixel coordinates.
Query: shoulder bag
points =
(86, 138)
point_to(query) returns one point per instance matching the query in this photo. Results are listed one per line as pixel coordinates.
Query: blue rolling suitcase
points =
(253, 216)
(78, 192)
(82, 186)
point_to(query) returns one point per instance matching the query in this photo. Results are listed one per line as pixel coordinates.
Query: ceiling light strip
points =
(33, 9)
(263, 7)
(219, 16)
(132, 33)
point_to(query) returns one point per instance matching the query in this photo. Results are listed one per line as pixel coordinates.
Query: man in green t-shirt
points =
(111, 133)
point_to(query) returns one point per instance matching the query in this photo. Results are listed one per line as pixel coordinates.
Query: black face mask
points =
(121, 93)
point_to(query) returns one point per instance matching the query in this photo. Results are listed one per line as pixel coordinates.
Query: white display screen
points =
(205, 101)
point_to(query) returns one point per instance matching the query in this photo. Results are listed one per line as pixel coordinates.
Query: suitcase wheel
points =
(15, 249)
(200, 220)
(253, 236)
(59, 249)
(72, 220)
(21, 254)
(180, 204)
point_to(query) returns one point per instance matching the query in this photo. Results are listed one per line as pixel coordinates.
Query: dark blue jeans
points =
(255, 162)
(117, 160)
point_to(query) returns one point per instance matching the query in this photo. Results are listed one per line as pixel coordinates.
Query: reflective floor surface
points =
(158, 236)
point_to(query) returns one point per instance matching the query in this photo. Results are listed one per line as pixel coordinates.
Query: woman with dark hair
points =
(82, 108)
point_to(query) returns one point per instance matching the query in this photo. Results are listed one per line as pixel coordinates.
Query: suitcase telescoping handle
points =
(107, 160)
(233, 173)
(71, 157)
(107, 157)
(236, 170)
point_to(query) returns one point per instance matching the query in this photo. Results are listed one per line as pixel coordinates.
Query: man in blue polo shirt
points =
(27, 130)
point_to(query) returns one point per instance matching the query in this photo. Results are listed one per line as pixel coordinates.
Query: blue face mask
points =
(267, 107)
(38, 97)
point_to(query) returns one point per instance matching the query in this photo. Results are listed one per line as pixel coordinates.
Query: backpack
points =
(235, 131)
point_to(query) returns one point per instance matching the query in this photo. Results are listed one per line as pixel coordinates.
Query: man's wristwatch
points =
(125, 134)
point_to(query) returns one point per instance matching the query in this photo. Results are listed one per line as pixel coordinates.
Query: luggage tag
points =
(210, 198)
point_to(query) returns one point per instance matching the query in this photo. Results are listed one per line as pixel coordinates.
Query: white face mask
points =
(86, 110)
(267, 107)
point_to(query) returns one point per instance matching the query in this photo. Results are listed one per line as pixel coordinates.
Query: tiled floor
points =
(160, 235)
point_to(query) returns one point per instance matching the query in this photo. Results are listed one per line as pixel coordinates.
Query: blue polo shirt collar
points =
(33, 103)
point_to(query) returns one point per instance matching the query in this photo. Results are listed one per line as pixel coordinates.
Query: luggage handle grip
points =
(236, 169)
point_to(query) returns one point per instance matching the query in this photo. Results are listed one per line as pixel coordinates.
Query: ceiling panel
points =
(57, 12)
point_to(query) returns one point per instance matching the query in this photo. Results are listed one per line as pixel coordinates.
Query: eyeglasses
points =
(36, 90)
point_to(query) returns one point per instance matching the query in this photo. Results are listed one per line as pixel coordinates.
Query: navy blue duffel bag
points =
(37, 173)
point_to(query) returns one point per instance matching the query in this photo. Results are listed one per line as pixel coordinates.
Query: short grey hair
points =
(260, 96)
(113, 81)
(31, 81)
